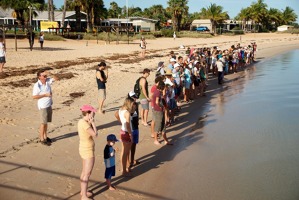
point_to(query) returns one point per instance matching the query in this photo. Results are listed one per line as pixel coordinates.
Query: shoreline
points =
(60, 181)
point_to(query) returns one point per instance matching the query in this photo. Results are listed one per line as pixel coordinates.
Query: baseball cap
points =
(172, 60)
(132, 95)
(176, 65)
(88, 108)
(112, 137)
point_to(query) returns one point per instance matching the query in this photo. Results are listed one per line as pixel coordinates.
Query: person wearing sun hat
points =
(87, 132)
(160, 70)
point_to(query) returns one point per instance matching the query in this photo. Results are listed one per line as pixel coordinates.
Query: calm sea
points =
(255, 126)
(248, 146)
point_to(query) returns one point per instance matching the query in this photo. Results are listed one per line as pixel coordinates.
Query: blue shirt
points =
(109, 156)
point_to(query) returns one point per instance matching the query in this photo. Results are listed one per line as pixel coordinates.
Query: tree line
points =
(177, 10)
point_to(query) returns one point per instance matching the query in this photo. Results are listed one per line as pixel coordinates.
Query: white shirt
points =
(2, 51)
(40, 89)
(219, 66)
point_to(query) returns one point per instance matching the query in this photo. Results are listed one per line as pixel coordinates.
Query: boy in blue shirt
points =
(109, 159)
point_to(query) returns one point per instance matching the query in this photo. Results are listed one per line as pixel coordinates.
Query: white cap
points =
(168, 81)
(132, 94)
(176, 65)
(172, 60)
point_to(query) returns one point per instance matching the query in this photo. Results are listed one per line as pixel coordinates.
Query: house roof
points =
(201, 21)
(41, 15)
(143, 18)
(6, 13)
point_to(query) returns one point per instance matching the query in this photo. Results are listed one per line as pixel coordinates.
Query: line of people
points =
(182, 80)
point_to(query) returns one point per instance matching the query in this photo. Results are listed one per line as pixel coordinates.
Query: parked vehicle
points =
(202, 28)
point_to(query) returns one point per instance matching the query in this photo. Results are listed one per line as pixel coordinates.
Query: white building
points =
(284, 28)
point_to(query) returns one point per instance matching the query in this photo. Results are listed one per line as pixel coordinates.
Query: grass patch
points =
(50, 37)
(192, 34)
(113, 37)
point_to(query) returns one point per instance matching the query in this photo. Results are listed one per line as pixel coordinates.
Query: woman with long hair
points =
(123, 115)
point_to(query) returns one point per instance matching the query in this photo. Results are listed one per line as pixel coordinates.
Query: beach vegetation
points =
(159, 13)
(216, 15)
(52, 37)
(178, 10)
(264, 19)
(22, 9)
(191, 34)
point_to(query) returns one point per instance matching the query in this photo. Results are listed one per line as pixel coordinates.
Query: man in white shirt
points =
(2, 55)
(220, 65)
(43, 93)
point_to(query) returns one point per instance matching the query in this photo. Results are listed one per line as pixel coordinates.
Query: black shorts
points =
(2, 59)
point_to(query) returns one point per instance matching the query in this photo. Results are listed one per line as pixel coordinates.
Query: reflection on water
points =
(257, 132)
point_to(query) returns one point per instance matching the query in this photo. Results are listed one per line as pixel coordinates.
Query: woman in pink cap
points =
(87, 131)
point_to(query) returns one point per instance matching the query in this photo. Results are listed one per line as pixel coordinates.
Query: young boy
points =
(109, 159)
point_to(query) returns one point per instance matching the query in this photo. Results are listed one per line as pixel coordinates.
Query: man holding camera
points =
(43, 93)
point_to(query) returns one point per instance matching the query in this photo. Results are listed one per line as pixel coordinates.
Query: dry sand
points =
(29, 170)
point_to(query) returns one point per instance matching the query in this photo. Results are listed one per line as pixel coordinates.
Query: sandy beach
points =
(29, 170)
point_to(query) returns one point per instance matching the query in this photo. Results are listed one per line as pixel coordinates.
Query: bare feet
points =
(168, 143)
(157, 143)
(112, 187)
(136, 162)
(88, 194)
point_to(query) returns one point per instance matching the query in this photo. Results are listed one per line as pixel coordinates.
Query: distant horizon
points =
(228, 5)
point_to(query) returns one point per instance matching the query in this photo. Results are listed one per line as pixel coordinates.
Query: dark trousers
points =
(220, 77)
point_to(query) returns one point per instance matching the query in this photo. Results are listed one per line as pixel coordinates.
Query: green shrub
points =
(167, 33)
(237, 31)
(193, 34)
(51, 37)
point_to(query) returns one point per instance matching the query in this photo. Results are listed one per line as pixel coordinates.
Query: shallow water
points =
(250, 144)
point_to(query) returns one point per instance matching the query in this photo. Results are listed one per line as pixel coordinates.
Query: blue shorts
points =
(135, 134)
(172, 104)
(109, 172)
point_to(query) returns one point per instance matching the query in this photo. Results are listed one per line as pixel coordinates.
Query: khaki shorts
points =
(102, 94)
(46, 115)
(159, 121)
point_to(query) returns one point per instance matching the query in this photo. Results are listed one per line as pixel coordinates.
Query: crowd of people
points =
(183, 79)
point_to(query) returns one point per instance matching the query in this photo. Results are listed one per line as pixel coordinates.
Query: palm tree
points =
(21, 8)
(114, 10)
(288, 15)
(51, 16)
(259, 12)
(157, 12)
(63, 13)
(275, 17)
(215, 14)
(178, 9)
(244, 15)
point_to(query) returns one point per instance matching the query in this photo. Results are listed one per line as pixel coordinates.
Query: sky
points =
(233, 7)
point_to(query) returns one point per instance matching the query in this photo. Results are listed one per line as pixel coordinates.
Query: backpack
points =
(137, 88)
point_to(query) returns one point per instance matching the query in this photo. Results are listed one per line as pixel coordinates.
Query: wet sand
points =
(32, 171)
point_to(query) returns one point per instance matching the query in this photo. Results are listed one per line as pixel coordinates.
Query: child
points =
(109, 159)
(41, 40)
